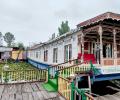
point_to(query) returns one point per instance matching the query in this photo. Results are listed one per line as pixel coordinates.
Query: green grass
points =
(17, 66)
(21, 71)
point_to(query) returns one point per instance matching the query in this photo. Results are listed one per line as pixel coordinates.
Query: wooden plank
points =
(100, 98)
(23, 88)
(53, 94)
(34, 87)
(110, 97)
(45, 94)
(117, 94)
(39, 85)
(5, 89)
(25, 96)
(18, 88)
(5, 97)
(1, 90)
(30, 96)
(40, 95)
(35, 96)
(18, 96)
(13, 89)
(28, 87)
(11, 97)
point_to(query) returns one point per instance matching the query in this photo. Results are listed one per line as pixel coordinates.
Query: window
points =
(45, 55)
(55, 55)
(39, 54)
(36, 54)
(67, 52)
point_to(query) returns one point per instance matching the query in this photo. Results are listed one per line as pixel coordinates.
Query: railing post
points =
(48, 73)
(84, 97)
(6, 76)
(56, 76)
(72, 90)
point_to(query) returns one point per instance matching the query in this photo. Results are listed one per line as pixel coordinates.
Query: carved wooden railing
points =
(67, 72)
(64, 87)
(64, 81)
(18, 76)
(53, 68)
(118, 61)
(108, 61)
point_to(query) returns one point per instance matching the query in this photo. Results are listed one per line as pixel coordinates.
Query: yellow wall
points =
(15, 54)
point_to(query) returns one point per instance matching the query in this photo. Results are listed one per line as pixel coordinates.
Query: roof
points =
(55, 39)
(5, 49)
(107, 15)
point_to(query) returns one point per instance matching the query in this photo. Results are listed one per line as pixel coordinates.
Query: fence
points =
(52, 70)
(67, 72)
(64, 87)
(18, 76)
(67, 89)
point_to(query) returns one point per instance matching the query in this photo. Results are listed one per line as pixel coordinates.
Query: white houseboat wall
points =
(55, 51)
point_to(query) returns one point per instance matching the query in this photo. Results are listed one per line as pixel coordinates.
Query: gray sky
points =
(36, 20)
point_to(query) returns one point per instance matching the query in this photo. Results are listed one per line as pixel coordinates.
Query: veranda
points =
(101, 36)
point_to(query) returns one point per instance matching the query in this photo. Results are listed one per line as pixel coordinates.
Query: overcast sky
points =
(36, 20)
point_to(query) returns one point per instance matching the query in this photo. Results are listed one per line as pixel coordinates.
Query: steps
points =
(51, 85)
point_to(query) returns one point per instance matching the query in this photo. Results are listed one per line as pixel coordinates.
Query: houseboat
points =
(96, 39)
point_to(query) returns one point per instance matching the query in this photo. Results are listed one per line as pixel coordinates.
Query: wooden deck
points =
(115, 96)
(27, 91)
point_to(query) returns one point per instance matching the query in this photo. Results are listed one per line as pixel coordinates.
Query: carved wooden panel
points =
(108, 61)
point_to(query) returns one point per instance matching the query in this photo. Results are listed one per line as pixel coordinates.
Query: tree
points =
(1, 39)
(9, 38)
(20, 45)
(64, 28)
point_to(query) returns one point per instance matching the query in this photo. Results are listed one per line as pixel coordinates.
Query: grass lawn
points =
(17, 66)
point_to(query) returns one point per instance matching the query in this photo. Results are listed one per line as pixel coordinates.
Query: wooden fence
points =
(18, 76)
(67, 72)
(64, 88)
(52, 70)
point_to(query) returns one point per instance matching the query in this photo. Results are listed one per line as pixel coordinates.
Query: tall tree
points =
(1, 39)
(63, 28)
(20, 45)
(9, 38)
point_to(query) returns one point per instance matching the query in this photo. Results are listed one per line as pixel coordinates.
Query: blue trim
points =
(106, 77)
(38, 64)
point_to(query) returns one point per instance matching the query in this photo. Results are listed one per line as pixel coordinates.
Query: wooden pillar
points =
(115, 47)
(100, 31)
(82, 45)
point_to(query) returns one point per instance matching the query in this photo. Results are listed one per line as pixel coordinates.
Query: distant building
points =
(5, 52)
(18, 54)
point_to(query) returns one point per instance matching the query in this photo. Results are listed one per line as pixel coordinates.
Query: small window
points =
(55, 55)
(36, 54)
(67, 52)
(46, 55)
